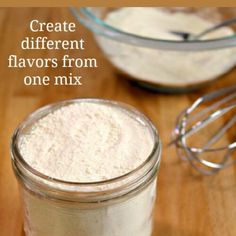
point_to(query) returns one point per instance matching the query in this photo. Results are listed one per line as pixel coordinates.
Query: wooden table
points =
(188, 204)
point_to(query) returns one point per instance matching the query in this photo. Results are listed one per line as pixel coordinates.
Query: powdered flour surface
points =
(86, 142)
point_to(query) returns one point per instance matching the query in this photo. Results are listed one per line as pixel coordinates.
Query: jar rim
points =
(20, 165)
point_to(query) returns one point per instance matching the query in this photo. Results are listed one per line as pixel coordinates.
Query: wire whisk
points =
(219, 109)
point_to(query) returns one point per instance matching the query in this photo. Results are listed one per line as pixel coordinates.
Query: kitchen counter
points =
(188, 204)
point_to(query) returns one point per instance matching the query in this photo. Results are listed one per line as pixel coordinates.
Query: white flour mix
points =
(88, 142)
(171, 68)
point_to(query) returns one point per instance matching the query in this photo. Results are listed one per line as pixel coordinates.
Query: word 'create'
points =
(37, 26)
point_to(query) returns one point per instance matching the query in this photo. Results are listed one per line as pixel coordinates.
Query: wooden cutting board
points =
(188, 204)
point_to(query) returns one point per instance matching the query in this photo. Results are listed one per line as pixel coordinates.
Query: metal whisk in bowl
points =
(212, 116)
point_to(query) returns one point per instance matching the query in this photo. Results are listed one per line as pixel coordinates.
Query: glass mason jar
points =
(120, 206)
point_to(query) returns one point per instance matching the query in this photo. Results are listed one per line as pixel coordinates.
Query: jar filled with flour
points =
(87, 167)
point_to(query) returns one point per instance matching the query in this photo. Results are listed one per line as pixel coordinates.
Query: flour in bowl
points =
(165, 67)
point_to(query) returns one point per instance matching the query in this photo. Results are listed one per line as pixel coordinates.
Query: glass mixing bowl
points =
(198, 62)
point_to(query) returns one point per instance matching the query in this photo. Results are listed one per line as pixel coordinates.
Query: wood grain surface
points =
(188, 204)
